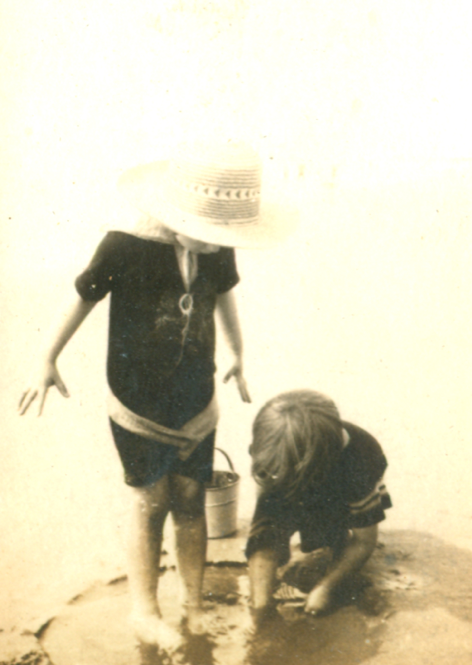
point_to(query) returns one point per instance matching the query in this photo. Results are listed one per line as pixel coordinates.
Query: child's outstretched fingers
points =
(237, 372)
(242, 387)
(26, 399)
(60, 385)
(49, 376)
(42, 399)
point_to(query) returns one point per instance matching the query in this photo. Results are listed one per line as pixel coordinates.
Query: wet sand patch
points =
(412, 603)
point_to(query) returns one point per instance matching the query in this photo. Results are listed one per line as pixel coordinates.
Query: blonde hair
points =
(297, 437)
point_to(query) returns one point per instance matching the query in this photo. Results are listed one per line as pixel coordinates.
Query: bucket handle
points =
(230, 463)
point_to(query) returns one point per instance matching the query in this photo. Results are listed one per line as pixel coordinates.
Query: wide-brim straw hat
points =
(209, 193)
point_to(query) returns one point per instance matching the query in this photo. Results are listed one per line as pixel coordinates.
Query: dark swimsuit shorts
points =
(145, 461)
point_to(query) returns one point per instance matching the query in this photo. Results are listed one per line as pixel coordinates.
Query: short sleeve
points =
(371, 509)
(364, 491)
(227, 274)
(96, 280)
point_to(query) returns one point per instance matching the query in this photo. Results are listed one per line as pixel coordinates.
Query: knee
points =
(186, 508)
(152, 502)
(187, 498)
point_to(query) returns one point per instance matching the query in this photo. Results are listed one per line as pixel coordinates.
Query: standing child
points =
(166, 279)
(319, 476)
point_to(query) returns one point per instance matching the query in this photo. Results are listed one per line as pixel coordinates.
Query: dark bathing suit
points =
(155, 368)
(353, 497)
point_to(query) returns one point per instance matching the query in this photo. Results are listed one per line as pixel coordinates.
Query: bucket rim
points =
(230, 483)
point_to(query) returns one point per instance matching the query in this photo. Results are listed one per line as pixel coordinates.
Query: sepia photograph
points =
(236, 290)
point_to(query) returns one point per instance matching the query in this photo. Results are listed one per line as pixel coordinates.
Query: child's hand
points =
(237, 371)
(48, 376)
(318, 600)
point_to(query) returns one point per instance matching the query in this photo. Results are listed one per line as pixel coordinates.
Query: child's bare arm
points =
(358, 549)
(262, 578)
(47, 375)
(228, 314)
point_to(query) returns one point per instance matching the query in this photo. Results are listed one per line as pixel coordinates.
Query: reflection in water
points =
(413, 581)
(149, 656)
(197, 650)
(307, 640)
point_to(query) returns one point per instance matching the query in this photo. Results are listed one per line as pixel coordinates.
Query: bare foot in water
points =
(152, 630)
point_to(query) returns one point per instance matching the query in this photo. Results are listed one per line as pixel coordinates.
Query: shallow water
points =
(412, 603)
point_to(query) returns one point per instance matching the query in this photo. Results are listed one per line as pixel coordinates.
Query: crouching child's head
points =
(297, 438)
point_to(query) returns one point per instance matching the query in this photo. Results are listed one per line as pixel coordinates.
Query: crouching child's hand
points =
(318, 600)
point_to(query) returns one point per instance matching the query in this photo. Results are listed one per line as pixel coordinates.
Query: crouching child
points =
(321, 477)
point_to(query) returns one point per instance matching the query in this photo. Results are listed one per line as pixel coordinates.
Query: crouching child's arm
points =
(352, 557)
(46, 373)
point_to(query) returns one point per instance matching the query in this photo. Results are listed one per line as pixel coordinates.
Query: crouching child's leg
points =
(351, 557)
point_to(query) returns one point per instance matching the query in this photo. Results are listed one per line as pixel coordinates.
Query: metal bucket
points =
(221, 501)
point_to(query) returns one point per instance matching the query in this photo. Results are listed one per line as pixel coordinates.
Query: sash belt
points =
(185, 439)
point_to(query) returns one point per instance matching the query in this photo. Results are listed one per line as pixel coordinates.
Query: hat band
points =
(219, 193)
(228, 204)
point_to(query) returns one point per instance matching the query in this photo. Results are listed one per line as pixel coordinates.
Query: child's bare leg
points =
(262, 578)
(351, 558)
(150, 506)
(188, 512)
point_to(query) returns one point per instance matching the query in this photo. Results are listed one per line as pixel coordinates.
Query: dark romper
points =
(352, 497)
(154, 368)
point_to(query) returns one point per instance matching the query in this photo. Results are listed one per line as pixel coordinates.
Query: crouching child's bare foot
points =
(150, 629)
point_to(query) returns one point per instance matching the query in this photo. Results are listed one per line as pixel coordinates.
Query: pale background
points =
(361, 111)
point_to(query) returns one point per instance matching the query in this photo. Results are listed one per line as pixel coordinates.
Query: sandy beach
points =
(408, 605)
(361, 115)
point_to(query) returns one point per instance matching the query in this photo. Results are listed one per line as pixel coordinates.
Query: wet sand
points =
(411, 604)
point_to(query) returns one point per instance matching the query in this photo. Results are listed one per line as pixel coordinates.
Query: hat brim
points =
(143, 186)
